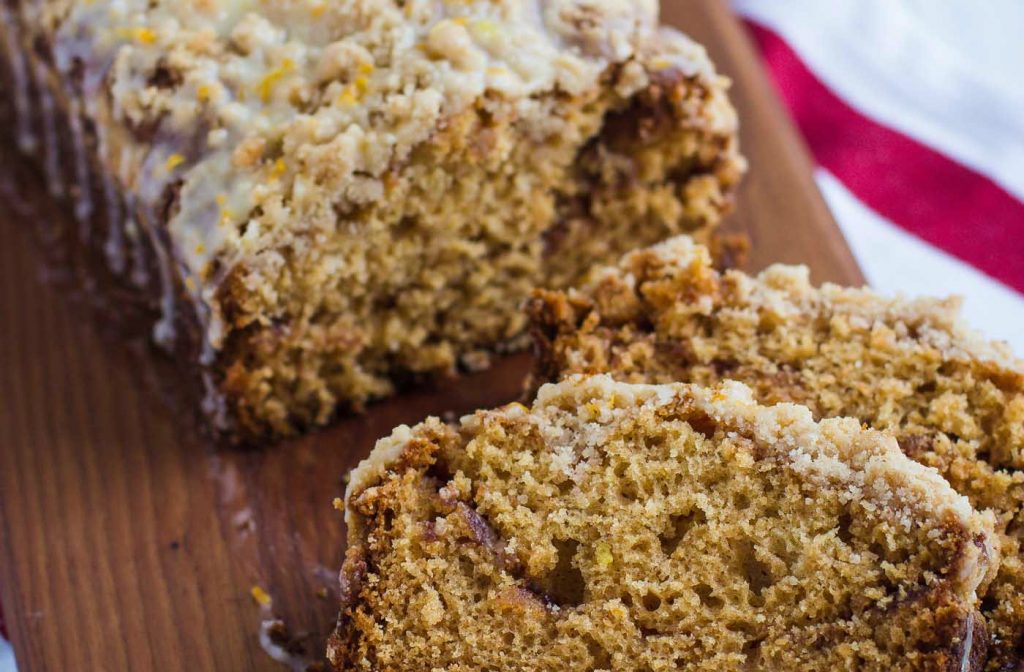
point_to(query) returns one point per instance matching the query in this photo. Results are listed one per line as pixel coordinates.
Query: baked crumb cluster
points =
(342, 195)
(953, 400)
(638, 527)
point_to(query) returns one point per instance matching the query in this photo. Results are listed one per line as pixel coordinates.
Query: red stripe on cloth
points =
(922, 191)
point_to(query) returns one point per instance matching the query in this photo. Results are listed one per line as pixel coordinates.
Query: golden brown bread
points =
(635, 527)
(954, 400)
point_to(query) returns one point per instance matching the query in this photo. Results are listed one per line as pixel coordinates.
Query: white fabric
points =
(916, 66)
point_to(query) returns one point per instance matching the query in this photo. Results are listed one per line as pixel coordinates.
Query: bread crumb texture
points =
(355, 193)
(616, 526)
(954, 401)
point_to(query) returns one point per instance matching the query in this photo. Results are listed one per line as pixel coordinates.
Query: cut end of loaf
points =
(435, 278)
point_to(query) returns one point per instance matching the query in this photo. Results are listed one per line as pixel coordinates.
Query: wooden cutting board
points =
(126, 543)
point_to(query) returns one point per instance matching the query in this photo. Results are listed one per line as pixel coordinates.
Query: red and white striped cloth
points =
(914, 112)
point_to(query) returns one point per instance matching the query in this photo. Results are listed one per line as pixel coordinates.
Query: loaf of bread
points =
(318, 200)
(616, 526)
(953, 400)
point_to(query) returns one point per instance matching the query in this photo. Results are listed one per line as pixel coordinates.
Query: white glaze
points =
(163, 330)
(83, 175)
(140, 266)
(115, 217)
(19, 71)
(51, 141)
(279, 653)
(213, 405)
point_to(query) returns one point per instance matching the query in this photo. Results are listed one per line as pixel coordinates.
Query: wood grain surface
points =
(127, 543)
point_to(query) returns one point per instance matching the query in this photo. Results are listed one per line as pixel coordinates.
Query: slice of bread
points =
(656, 527)
(912, 367)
